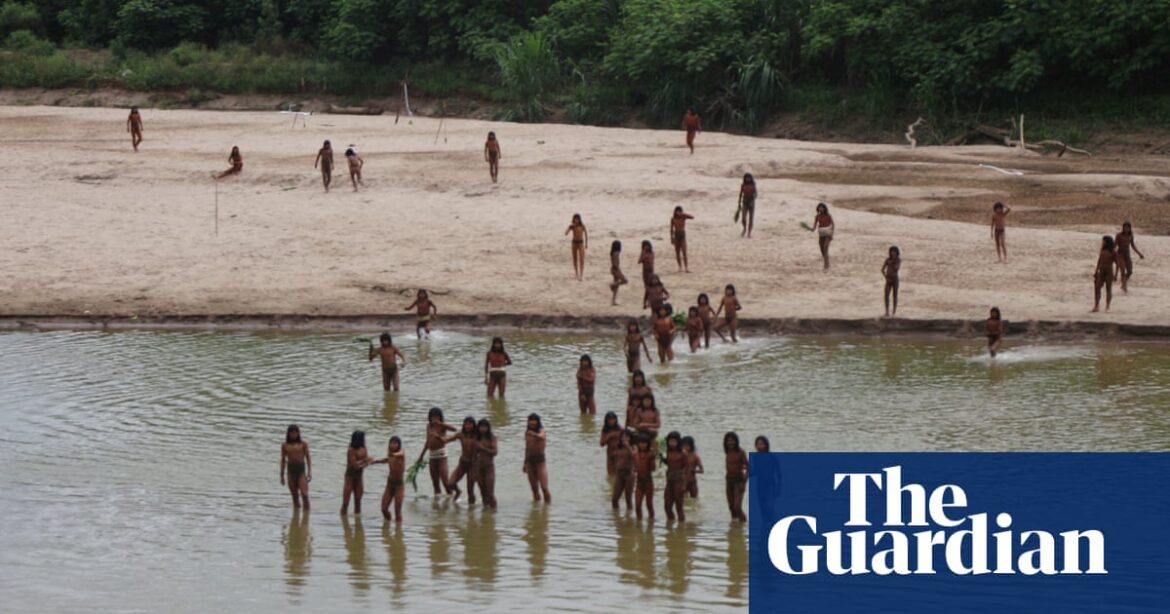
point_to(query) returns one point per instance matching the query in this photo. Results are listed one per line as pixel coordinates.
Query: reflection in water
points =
(297, 551)
(439, 547)
(737, 560)
(680, 549)
(390, 407)
(497, 411)
(536, 536)
(893, 363)
(995, 372)
(624, 528)
(1113, 369)
(662, 378)
(643, 554)
(588, 423)
(396, 548)
(481, 559)
(355, 548)
(423, 351)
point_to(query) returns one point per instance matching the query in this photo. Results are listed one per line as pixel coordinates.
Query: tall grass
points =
(530, 72)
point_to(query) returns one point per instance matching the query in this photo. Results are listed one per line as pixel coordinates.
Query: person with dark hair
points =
(633, 344)
(579, 244)
(436, 447)
(664, 334)
(485, 462)
(644, 464)
(466, 438)
(999, 213)
(491, 153)
(1125, 242)
(356, 460)
(389, 356)
(693, 125)
(535, 465)
(694, 329)
(694, 466)
(623, 469)
(737, 472)
(615, 269)
(134, 127)
(747, 204)
(994, 331)
(355, 164)
(294, 454)
(586, 381)
(325, 161)
(637, 390)
(646, 259)
(395, 488)
(707, 314)
(656, 296)
(678, 237)
(730, 307)
(611, 435)
(237, 162)
(824, 227)
(495, 372)
(675, 491)
(648, 419)
(763, 445)
(427, 312)
(1105, 273)
(890, 272)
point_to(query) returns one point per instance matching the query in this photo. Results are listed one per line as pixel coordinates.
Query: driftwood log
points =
(1003, 136)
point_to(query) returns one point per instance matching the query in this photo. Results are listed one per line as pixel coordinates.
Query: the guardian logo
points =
(925, 532)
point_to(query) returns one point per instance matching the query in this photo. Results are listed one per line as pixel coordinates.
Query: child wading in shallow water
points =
(999, 213)
(356, 460)
(648, 419)
(615, 269)
(646, 259)
(675, 491)
(1125, 242)
(389, 355)
(763, 445)
(485, 462)
(656, 296)
(737, 472)
(294, 455)
(578, 246)
(436, 447)
(729, 307)
(633, 345)
(678, 237)
(994, 331)
(694, 466)
(495, 373)
(694, 329)
(586, 379)
(491, 153)
(644, 465)
(427, 311)
(623, 466)
(1105, 273)
(638, 389)
(611, 433)
(747, 204)
(466, 438)
(890, 272)
(823, 226)
(708, 316)
(535, 466)
(664, 334)
(395, 489)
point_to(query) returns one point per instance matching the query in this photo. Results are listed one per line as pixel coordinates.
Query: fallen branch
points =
(910, 132)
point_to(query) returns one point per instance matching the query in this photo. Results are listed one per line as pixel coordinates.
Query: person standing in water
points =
(579, 245)
(999, 213)
(763, 445)
(611, 433)
(675, 491)
(707, 314)
(294, 455)
(737, 473)
(485, 462)
(644, 465)
(356, 460)
(427, 311)
(389, 355)
(678, 237)
(134, 127)
(325, 162)
(1105, 273)
(729, 307)
(890, 272)
(694, 329)
(1125, 243)
(436, 447)
(646, 259)
(823, 226)
(623, 467)
(648, 419)
(994, 331)
(495, 372)
(637, 390)
(664, 334)
(693, 125)
(615, 269)
(466, 467)
(747, 204)
(355, 163)
(655, 297)
(395, 488)
(633, 345)
(586, 380)
(491, 153)
(237, 162)
(694, 466)
(535, 466)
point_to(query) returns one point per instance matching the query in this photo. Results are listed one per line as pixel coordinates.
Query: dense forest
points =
(599, 61)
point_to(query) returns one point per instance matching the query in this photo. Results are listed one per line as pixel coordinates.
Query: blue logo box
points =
(1001, 533)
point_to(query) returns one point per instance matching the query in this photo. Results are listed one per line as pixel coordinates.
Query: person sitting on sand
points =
(994, 331)
(678, 237)
(495, 373)
(1125, 242)
(294, 456)
(664, 333)
(134, 127)
(535, 466)
(999, 213)
(237, 162)
(890, 272)
(491, 153)
(1105, 273)
(325, 161)
(823, 226)
(693, 125)
(355, 167)
(389, 355)
(427, 312)
(730, 307)
(747, 204)
(615, 269)
(578, 246)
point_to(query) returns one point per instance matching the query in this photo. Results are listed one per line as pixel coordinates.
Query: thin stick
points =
(217, 208)
(439, 129)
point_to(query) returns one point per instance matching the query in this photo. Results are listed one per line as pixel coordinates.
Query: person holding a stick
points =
(134, 127)
(325, 162)
(355, 167)
(491, 153)
(237, 162)
(389, 355)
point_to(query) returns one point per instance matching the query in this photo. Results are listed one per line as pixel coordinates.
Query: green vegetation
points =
(739, 62)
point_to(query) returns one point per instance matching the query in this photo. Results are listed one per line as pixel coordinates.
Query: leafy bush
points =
(158, 24)
(27, 43)
(530, 71)
(17, 16)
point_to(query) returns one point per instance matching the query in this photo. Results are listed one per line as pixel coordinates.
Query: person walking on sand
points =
(237, 162)
(999, 213)
(693, 125)
(134, 127)
(535, 467)
(427, 312)
(823, 226)
(579, 244)
(890, 272)
(678, 237)
(491, 153)
(389, 356)
(656, 296)
(747, 204)
(1105, 273)
(1125, 243)
(294, 456)
(355, 167)
(994, 331)
(325, 162)
(646, 259)
(615, 269)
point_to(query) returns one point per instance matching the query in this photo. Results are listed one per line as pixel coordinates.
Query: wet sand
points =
(94, 230)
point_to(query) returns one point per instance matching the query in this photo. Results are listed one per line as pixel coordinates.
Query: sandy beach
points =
(92, 228)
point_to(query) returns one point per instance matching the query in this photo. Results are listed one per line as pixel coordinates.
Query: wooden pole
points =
(217, 208)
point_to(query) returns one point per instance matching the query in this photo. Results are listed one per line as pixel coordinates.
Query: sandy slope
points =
(90, 226)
